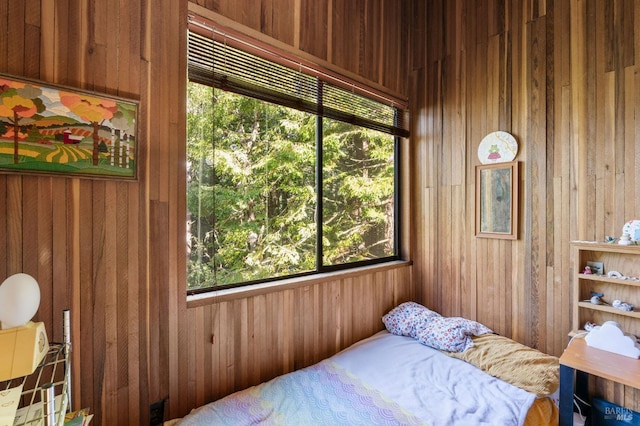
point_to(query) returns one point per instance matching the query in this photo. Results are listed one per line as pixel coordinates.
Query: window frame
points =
(203, 26)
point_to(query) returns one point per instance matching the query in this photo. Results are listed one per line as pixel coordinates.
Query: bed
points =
(394, 378)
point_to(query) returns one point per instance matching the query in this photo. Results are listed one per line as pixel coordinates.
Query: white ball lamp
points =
(19, 300)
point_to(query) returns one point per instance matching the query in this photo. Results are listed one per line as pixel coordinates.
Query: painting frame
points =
(497, 200)
(54, 130)
(597, 268)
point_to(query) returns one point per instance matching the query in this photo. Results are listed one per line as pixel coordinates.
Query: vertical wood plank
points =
(60, 253)
(15, 24)
(313, 30)
(14, 224)
(110, 283)
(630, 137)
(579, 119)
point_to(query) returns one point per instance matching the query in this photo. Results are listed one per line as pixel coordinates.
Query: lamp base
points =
(22, 349)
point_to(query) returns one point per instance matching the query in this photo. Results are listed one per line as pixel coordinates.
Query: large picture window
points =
(288, 172)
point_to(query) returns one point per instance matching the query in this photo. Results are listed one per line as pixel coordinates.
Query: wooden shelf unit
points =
(615, 257)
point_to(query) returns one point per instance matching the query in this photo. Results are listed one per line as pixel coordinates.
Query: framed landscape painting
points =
(54, 130)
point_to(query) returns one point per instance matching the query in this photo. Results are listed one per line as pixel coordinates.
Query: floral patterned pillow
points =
(451, 334)
(408, 318)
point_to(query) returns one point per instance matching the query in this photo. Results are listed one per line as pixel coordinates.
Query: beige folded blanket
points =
(513, 362)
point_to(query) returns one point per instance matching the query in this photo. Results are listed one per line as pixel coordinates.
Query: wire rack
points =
(46, 393)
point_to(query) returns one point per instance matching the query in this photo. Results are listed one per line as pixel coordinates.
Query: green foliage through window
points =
(251, 190)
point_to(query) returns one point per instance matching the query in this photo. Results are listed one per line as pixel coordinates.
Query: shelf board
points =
(605, 279)
(604, 247)
(609, 309)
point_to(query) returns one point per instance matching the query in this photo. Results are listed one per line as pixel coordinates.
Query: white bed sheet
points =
(440, 389)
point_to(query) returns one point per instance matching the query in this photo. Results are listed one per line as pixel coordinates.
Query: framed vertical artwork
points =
(497, 200)
(55, 130)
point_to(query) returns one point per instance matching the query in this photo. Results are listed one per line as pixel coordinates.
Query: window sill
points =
(216, 296)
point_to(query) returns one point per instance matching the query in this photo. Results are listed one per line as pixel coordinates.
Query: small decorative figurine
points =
(587, 270)
(588, 326)
(615, 274)
(609, 239)
(623, 306)
(625, 240)
(596, 298)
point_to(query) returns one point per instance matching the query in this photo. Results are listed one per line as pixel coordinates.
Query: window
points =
(272, 145)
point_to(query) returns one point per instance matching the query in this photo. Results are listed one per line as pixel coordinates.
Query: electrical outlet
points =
(156, 413)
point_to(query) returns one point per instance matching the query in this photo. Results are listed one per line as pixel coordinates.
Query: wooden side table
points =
(578, 357)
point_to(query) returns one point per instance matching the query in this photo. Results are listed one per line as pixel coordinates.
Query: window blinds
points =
(230, 62)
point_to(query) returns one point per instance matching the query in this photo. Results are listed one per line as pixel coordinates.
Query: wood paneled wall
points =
(241, 342)
(113, 251)
(562, 77)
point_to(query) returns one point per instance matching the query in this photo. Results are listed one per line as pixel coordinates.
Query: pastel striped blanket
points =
(323, 394)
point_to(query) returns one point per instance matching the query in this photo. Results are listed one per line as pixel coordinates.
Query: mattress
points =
(384, 379)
